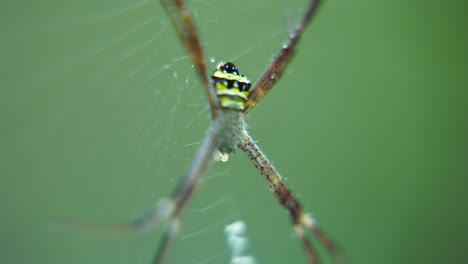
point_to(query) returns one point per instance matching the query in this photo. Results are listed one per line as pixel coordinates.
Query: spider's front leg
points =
(188, 34)
(282, 60)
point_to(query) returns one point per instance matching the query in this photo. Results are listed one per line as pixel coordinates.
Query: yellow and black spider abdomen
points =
(232, 88)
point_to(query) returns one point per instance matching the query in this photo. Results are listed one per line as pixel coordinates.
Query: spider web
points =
(112, 114)
(102, 113)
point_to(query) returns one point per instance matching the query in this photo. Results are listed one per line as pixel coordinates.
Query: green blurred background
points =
(101, 114)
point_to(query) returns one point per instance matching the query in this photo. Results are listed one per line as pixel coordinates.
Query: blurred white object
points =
(238, 243)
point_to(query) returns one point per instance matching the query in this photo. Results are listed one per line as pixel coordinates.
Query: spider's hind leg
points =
(299, 219)
(136, 227)
(334, 250)
(170, 233)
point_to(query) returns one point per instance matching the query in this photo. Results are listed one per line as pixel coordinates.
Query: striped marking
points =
(232, 88)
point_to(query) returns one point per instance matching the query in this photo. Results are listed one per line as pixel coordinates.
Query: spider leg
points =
(167, 210)
(188, 34)
(281, 61)
(168, 236)
(185, 189)
(298, 218)
(324, 239)
(139, 226)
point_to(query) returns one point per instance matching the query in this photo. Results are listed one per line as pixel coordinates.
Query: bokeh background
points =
(101, 113)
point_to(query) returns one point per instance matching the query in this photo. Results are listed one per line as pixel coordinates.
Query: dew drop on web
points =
(218, 156)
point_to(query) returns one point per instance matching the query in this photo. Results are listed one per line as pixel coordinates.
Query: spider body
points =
(231, 128)
(232, 89)
(230, 99)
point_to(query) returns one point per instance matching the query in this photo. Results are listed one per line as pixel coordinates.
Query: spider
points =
(230, 98)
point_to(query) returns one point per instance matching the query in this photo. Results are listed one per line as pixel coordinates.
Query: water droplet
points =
(218, 156)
